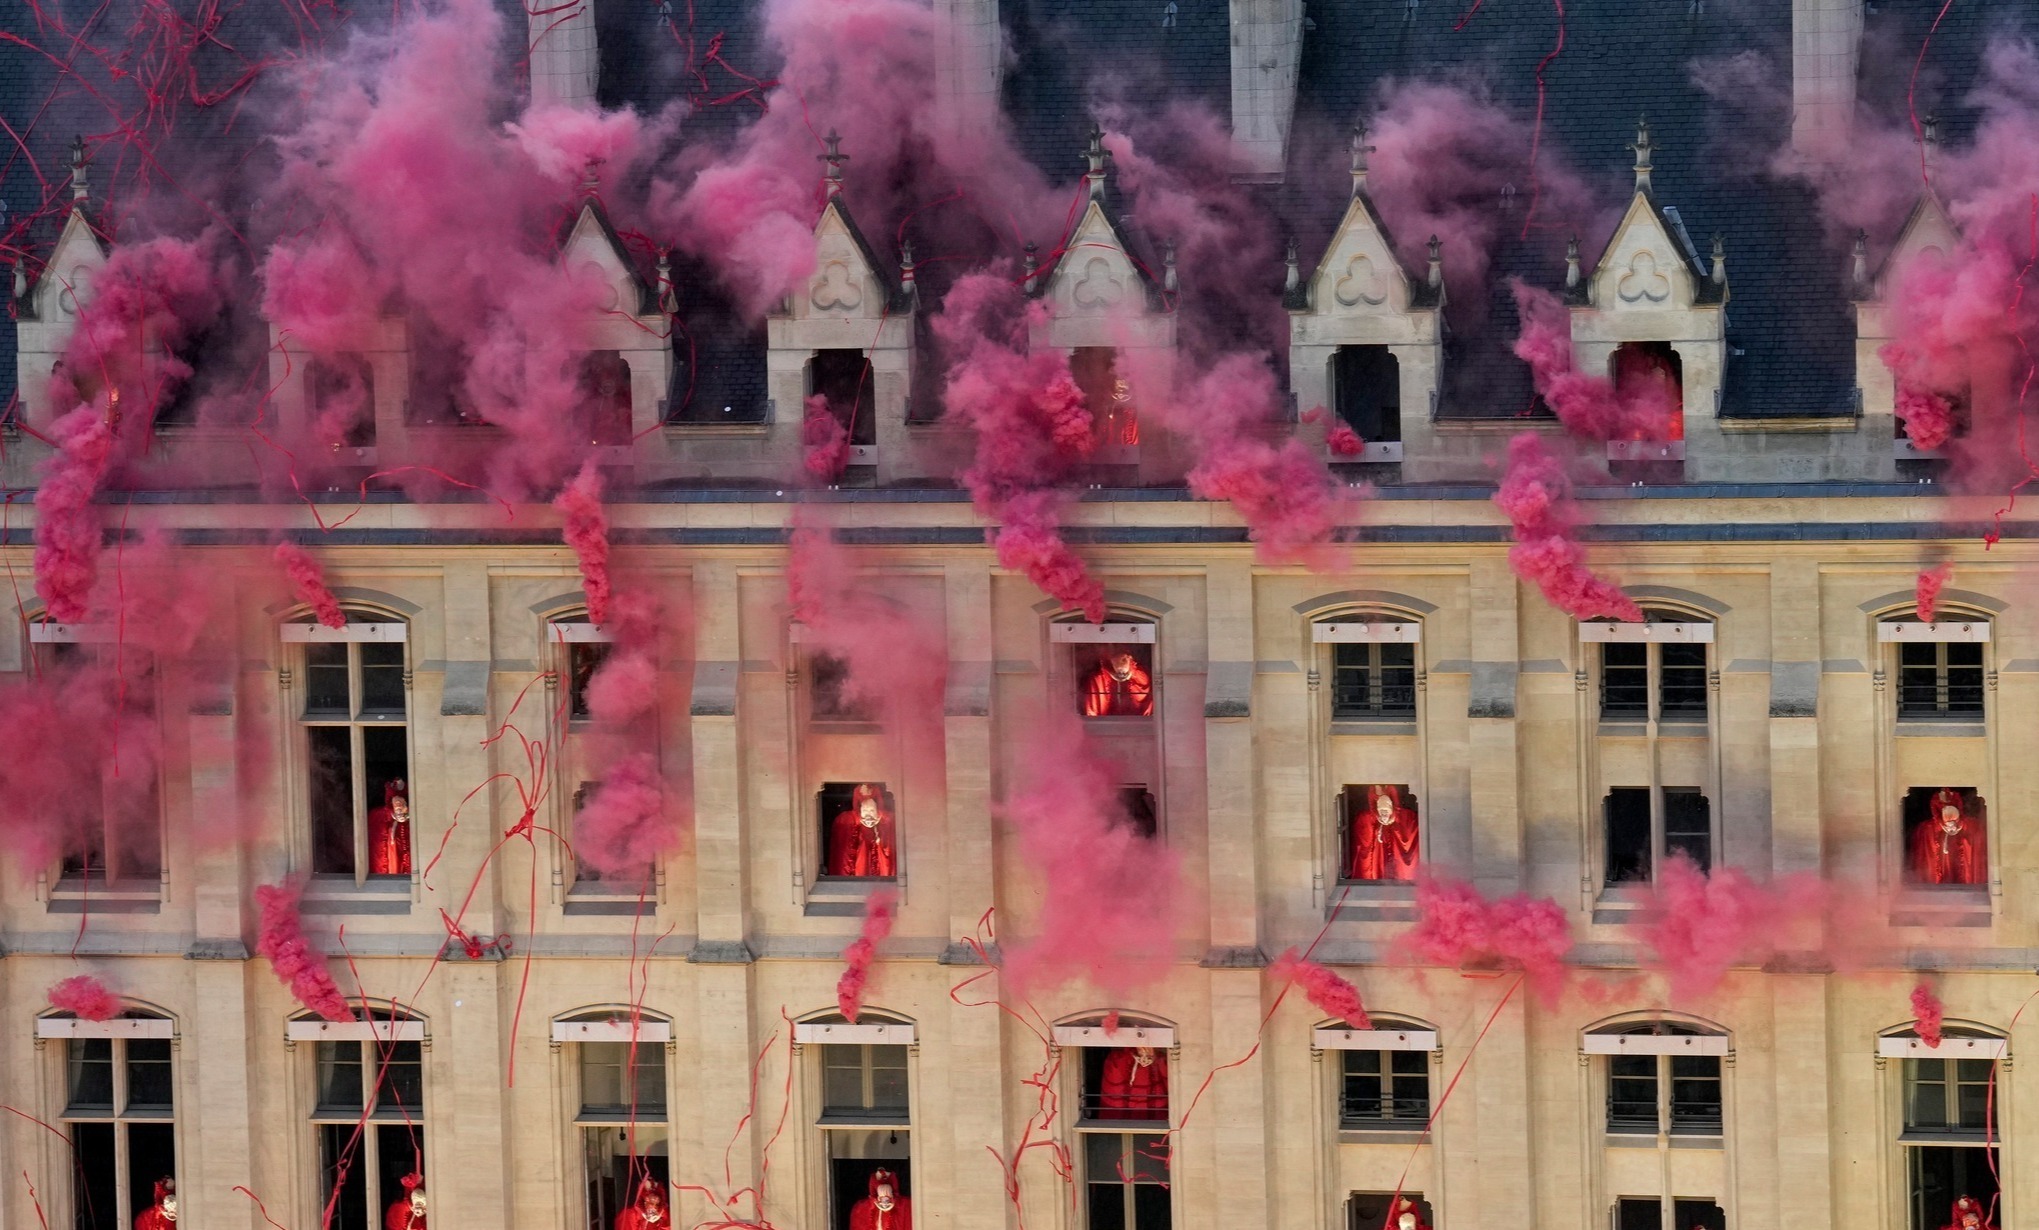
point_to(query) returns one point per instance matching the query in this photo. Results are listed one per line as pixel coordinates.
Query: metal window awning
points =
(840, 1033)
(1949, 1048)
(1656, 1044)
(611, 1031)
(1942, 630)
(564, 633)
(1373, 1039)
(1366, 632)
(119, 1027)
(1077, 632)
(1599, 632)
(320, 634)
(354, 1031)
(1160, 1037)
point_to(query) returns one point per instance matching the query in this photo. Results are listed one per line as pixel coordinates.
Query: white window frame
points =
(49, 632)
(374, 628)
(117, 1031)
(371, 1037)
(1609, 1044)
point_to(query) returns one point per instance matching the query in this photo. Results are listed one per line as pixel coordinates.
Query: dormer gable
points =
(848, 280)
(1096, 274)
(65, 284)
(1359, 273)
(592, 241)
(1650, 263)
(1928, 234)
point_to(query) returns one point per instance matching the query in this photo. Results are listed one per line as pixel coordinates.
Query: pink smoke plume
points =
(308, 582)
(1591, 407)
(68, 533)
(83, 757)
(1928, 418)
(623, 825)
(282, 941)
(1931, 582)
(85, 997)
(1291, 504)
(1340, 440)
(1698, 924)
(1537, 496)
(1928, 1013)
(1032, 430)
(1108, 896)
(825, 443)
(587, 531)
(879, 912)
(1332, 995)
(1457, 926)
(866, 631)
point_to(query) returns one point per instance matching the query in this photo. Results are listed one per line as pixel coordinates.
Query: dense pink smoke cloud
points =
(1109, 897)
(1928, 1013)
(879, 913)
(624, 824)
(880, 642)
(824, 442)
(84, 750)
(625, 686)
(1457, 926)
(586, 530)
(86, 998)
(1032, 430)
(1332, 995)
(68, 532)
(1926, 599)
(308, 583)
(1697, 924)
(1537, 496)
(281, 940)
(1589, 406)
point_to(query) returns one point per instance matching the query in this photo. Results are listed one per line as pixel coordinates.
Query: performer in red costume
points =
(408, 1213)
(1949, 848)
(1134, 1085)
(1119, 688)
(1406, 1216)
(884, 1208)
(649, 1212)
(860, 842)
(161, 1215)
(1969, 1214)
(1383, 838)
(389, 832)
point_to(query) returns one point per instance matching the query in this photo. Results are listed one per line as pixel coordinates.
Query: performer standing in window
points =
(1119, 687)
(1408, 1216)
(884, 1208)
(1949, 847)
(1134, 1084)
(409, 1212)
(389, 832)
(860, 842)
(648, 1212)
(161, 1215)
(1968, 1214)
(1383, 838)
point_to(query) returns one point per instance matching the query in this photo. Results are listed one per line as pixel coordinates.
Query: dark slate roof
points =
(1895, 31)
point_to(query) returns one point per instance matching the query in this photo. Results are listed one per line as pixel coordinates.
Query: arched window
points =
(119, 1111)
(113, 819)
(1948, 1089)
(617, 1066)
(368, 1112)
(1663, 1077)
(1940, 667)
(1655, 670)
(354, 723)
(863, 1073)
(1383, 1073)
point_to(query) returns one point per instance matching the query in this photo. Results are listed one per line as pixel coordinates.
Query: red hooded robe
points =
(400, 1215)
(858, 849)
(1383, 851)
(1941, 857)
(651, 1210)
(1131, 1089)
(155, 1217)
(1107, 695)
(866, 1215)
(389, 843)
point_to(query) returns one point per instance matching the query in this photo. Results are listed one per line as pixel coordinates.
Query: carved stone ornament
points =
(1644, 282)
(835, 288)
(77, 289)
(1361, 283)
(1098, 288)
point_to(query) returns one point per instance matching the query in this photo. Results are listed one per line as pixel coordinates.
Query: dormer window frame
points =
(307, 646)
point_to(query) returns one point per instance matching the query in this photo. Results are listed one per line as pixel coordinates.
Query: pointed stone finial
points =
(1858, 261)
(80, 186)
(1572, 263)
(1094, 158)
(907, 283)
(1360, 149)
(1436, 275)
(1168, 279)
(1929, 138)
(832, 179)
(1645, 153)
(1719, 261)
(20, 278)
(1030, 266)
(668, 294)
(591, 177)
(1292, 271)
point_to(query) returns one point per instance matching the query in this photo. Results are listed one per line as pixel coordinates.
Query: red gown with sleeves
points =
(866, 1215)
(157, 1216)
(1107, 695)
(389, 842)
(1130, 1089)
(650, 1211)
(1383, 851)
(1940, 856)
(859, 849)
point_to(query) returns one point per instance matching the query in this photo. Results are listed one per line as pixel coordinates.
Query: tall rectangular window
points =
(844, 381)
(867, 1137)
(120, 1113)
(1373, 680)
(1939, 680)
(357, 757)
(1367, 387)
(622, 1123)
(114, 831)
(1629, 843)
(1665, 680)
(1126, 1184)
(1949, 1140)
(602, 398)
(341, 390)
(1688, 825)
(1679, 1095)
(831, 694)
(1635, 847)
(368, 1116)
(1385, 1091)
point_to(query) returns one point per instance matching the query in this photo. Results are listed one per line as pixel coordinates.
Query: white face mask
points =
(170, 1207)
(1407, 1222)
(417, 1202)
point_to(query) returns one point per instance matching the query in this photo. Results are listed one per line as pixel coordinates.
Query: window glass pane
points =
(1624, 679)
(1688, 826)
(397, 1153)
(382, 679)
(602, 1074)
(888, 1078)
(842, 1078)
(151, 1155)
(91, 1076)
(340, 1163)
(650, 1071)
(325, 680)
(339, 1068)
(148, 1074)
(400, 1080)
(1925, 1093)
(1681, 676)
(1628, 835)
(1150, 1158)
(1632, 1093)
(331, 798)
(95, 1188)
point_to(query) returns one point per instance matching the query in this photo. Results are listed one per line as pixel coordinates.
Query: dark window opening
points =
(1625, 680)
(1939, 680)
(1677, 1094)
(1937, 1176)
(367, 1163)
(1385, 1091)
(1126, 1180)
(1649, 378)
(846, 383)
(851, 1183)
(1379, 833)
(341, 392)
(718, 359)
(1647, 1213)
(602, 398)
(118, 1116)
(859, 831)
(1373, 680)
(617, 1159)
(831, 694)
(1366, 388)
(1115, 680)
(1688, 825)
(1136, 811)
(228, 361)
(1384, 1210)
(1681, 681)
(1627, 812)
(1125, 1083)
(583, 658)
(1115, 421)
(1680, 689)
(1946, 836)
(438, 379)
